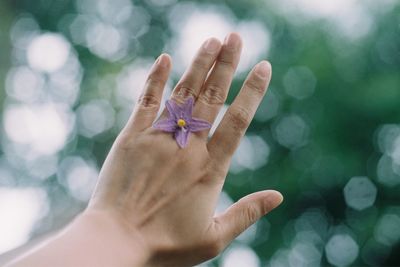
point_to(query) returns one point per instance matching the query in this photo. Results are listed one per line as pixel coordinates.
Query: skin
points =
(154, 203)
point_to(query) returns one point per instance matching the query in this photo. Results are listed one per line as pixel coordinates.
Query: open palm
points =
(167, 193)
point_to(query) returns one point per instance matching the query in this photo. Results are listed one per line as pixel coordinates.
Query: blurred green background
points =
(327, 135)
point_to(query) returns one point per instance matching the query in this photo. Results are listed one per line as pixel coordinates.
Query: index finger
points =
(230, 131)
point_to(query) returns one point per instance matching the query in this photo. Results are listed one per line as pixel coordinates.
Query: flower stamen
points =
(181, 123)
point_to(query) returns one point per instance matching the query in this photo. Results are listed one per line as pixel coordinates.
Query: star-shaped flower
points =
(180, 121)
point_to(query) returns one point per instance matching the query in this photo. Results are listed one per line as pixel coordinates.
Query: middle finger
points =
(191, 82)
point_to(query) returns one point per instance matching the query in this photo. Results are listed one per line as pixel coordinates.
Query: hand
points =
(165, 195)
(154, 203)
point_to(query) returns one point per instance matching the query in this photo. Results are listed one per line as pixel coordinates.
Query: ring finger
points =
(215, 89)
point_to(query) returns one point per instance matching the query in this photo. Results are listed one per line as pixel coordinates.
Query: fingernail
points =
(162, 61)
(262, 69)
(232, 40)
(211, 46)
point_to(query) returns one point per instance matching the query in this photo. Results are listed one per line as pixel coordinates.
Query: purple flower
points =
(180, 121)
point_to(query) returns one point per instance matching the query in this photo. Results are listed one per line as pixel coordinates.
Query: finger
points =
(215, 90)
(239, 115)
(245, 212)
(193, 79)
(149, 101)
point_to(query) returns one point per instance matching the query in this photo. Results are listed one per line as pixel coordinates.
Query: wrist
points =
(92, 239)
(115, 241)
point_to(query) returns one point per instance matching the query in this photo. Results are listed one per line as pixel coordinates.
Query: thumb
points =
(245, 212)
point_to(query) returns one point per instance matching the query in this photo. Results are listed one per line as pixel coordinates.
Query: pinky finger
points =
(148, 104)
(239, 115)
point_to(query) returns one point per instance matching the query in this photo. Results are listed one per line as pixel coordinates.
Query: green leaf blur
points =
(327, 135)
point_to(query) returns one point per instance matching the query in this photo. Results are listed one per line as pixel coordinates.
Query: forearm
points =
(90, 240)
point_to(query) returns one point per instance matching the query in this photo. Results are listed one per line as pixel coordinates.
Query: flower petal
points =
(166, 125)
(173, 109)
(187, 108)
(196, 125)
(182, 137)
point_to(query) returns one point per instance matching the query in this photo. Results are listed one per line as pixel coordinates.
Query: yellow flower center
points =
(181, 123)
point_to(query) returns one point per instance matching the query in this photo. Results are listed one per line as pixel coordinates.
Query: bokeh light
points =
(20, 209)
(386, 231)
(291, 131)
(327, 134)
(193, 25)
(79, 176)
(95, 117)
(252, 153)
(299, 82)
(48, 52)
(341, 250)
(43, 128)
(240, 256)
(360, 193)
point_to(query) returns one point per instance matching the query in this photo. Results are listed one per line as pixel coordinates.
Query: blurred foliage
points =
(331, 113)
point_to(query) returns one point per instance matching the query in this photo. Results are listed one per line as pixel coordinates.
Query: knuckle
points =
(251, 212)
(227, 62)
(148, 100)
(185, 90)
(213, 94)
(255, 86)
(240, 118)
(124, 141)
